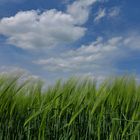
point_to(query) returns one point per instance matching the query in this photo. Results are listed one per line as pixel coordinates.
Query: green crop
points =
(73, 110)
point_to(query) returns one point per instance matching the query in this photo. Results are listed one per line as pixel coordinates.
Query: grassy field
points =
(72, 110)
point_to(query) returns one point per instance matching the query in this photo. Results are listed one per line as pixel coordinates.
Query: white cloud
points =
(80, 10)
(107, 13)
(35, 29)
(85, 57)
(97, 59)
(32, 29)
(113, 12)
(96, 55)
(100, 14)
(133, 42)
(23, 74)
(11, 69)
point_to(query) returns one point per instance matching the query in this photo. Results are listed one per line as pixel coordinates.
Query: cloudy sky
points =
(61, 38)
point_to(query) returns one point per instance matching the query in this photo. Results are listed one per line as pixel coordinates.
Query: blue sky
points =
(58, 39)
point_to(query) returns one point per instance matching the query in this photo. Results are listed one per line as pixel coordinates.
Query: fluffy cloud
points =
(32, 29)
(96, 60)
(80, 10)
(17, 71)
(96, 55)
(107, 13)
(100, 14)
(86, 57)
(113, 12)
(133, 42)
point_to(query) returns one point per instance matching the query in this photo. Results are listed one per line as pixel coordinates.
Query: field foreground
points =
(74, 110)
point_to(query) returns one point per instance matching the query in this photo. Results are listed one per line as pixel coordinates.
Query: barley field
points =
(76, 109)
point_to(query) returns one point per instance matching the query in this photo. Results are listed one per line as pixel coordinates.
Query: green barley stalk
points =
(72, 110)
